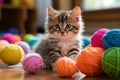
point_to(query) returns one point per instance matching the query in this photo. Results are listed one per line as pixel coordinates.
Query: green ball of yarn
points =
(111, 62)
(27, 37)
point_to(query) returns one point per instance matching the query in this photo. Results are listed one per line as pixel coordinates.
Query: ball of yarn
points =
(27, 37)
(112, 38)
(27, 3)
(3, 32)
(65, 67)
(32, 41)
(3, 43)
(9, 37)
(25, 46)
(32, 63)
(13, 30)
(96, 38)
(111, 62)
(11, 54)
(17, 38)
(86, 41)
(1, 46)
(89, 61)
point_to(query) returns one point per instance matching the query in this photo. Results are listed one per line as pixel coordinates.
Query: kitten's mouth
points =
(62, 34)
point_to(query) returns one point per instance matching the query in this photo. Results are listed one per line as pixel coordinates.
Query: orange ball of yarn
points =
(65, 67)
(89, 59)
(17, 38)
(1, 46)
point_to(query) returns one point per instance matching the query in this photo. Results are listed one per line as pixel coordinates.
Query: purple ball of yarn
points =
(32, 63)
(25, 46)
(96, 38)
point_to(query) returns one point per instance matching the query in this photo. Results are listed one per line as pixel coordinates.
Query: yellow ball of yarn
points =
(11, 54)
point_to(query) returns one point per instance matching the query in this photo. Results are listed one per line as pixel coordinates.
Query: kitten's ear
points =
(76, 12)
(51, 11)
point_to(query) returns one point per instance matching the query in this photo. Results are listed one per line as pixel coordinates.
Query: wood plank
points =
(17, 73)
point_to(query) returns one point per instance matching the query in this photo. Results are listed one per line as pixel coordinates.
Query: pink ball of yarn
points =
(32, 63)
(96, 38)
(9, 37)
(4, 42)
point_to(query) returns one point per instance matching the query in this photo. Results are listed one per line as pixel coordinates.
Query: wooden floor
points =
(17, 73)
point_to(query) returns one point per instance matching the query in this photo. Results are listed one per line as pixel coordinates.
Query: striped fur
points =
(62, 37)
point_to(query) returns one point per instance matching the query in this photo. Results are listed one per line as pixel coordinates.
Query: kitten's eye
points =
(56, 26)
(68, 26)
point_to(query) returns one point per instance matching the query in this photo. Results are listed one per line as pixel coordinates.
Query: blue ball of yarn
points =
(111, 38)
(33, 40)
(13, 31)
(86, 41)
(2, 32)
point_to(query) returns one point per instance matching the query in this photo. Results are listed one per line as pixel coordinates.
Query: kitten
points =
(62, 37)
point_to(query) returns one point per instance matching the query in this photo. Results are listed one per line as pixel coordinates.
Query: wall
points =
(65, 4)
(107, 18)
(41, 6)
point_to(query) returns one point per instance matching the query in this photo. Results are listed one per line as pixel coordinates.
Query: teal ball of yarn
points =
(33, 41)
(111, 62)
(111, 38)
(86, 41)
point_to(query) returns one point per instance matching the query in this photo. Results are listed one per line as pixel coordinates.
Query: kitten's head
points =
(64, 23)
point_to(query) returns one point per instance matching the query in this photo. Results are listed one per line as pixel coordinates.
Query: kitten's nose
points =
(62, 33)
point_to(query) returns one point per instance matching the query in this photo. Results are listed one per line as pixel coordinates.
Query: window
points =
(100, 4)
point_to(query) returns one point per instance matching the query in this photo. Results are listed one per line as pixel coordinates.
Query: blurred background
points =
(29, 16)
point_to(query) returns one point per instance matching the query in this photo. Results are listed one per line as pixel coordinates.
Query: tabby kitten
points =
(62, 37)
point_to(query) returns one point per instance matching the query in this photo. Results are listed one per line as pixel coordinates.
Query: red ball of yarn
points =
(65, 67)
(96, 38)
(88, 61)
